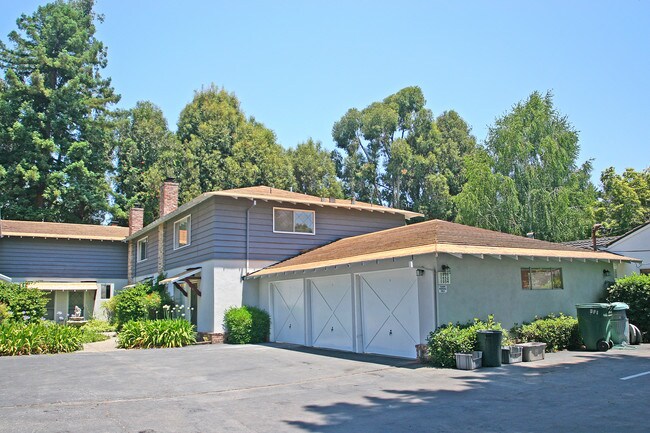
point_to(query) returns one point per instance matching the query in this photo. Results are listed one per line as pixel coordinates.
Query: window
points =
(541, 278)
(293, 221)
(182, 233)
(142, 249)
(105, 291)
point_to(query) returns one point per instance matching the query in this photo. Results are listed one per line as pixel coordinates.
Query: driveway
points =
(275, 388)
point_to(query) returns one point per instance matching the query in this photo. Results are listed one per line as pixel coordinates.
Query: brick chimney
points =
(168, 197)
(136, 219)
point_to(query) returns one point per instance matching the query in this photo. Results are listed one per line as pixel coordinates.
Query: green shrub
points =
(634, 290)
(18, 338)
(156, 333)
(449, 339)
(24, 303)
(558, 332)
(140, 302)
(247, 325)
(4, 312)
(97, 325)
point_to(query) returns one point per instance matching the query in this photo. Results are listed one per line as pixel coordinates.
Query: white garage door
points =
(390, 314)
(331, 312)
(288, 311)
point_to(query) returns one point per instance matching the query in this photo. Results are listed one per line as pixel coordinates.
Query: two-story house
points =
(207, 246)
(76, 264)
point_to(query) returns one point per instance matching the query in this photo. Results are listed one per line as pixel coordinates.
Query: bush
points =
(18, 338)
(136, 303)
(4, 312)
(558, 332)
(247, 325)
(24, 304)
(156, 333)
(634, 290)
(449, 339)
(96, 325)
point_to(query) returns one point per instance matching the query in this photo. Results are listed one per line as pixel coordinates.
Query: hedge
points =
(558, 332)
(634, 290)
(247, 325)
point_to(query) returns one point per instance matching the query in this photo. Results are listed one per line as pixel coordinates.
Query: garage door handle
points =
(289, 325)
(390, 332)
(332, 330)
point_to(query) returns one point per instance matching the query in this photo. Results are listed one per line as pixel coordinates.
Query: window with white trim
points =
(142, 249)
(294, 221)
(105, 291)
(182, 232)
(541, 278)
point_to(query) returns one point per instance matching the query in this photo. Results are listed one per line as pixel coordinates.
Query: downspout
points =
(248, 212)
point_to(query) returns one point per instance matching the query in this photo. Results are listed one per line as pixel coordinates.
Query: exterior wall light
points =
(419, 272)
(606, 272)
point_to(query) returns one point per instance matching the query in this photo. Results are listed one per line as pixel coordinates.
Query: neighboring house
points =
(207, 246)
(635, 243)
(385, 292)
(588, 244)
(76, 264)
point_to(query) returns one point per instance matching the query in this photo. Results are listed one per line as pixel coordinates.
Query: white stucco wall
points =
(637, 245)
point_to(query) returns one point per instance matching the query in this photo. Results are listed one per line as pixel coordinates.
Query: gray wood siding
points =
(150, 265)
(229, 231)
(218, 231)
(62, 258)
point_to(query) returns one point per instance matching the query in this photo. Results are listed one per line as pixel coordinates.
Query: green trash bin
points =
(594, 322)
(620, 324)
(489, 342)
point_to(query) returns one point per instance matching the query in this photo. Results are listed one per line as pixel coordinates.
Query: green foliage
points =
(89, 335)
(141, 302)
(247, 324)
(395, 152)
(156, 333)
(634, 290)
(449, 339)
(96, 325)
(23, 303)
(558, 332)
(145, 148)
(4, 312)
(34, 338)
(55, 134)
(314, 170)
(624, 200)
(537, 148)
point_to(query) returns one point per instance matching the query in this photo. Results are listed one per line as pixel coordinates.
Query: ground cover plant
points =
(449, 339)
(20, 338)
(246, 325)
(145, 334)
(559, 332)
(634, 290)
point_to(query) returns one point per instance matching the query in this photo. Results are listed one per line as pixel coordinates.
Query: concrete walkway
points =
(109, 345)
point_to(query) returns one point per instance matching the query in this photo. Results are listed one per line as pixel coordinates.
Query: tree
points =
(55, 135)
(624, 201)
(314, 170)
(144, 149)
(221, 149)
(536, 148)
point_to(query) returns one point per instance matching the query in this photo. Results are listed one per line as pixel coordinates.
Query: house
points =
(635, 243)
(206, 247)
(77, 264)
(384, 292)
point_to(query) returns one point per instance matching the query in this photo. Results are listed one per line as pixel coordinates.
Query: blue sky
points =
(298, 66)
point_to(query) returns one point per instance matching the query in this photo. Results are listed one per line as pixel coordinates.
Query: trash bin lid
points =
(488, 331)
(618, 306)
(595, 305)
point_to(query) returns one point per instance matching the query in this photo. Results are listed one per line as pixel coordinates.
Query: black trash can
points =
(489, 342)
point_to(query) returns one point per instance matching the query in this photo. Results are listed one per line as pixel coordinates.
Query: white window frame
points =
(110, 290)
(294, 221)
(189, 232)
(138, 249)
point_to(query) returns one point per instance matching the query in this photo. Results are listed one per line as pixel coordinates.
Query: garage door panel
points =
(390, 312)
(331, 312)
(289, 311)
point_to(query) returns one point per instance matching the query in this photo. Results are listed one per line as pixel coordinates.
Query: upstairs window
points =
(541, 278)
(142, 249)
(182, 232)
(293, 221)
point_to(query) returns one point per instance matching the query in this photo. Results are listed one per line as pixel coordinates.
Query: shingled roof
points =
(433, 236)
(37, 229)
